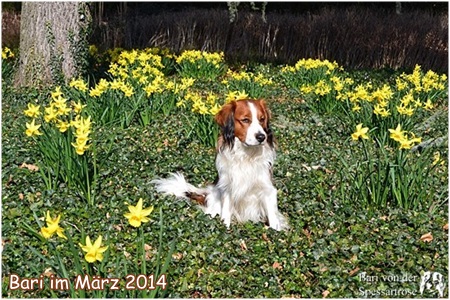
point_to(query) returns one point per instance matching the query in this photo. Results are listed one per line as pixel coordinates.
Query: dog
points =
(243, 189)
(431, 280)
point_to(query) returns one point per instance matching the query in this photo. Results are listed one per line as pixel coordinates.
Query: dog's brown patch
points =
(198, 198)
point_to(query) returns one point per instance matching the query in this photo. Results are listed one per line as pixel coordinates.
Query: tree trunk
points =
(53, 42)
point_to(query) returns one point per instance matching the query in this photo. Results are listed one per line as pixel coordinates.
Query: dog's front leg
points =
(272, 210)
(226, 210)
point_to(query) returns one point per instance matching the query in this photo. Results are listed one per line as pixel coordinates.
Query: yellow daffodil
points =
(211, 99)
(143, 56)
(200, 107)
(136, 73)
(116, 84)
(152, 71)
(80, 148)
(341, 96)
(181, 103)
(362, 93)
(82, 125)
(356, 107)
(52, 227)
(404, 110)
(128, 91)
(32, 129)
(288, 69)
(407, 99)
(150, 89)
(60, 102)
(241, 95)
(123, 74)
(95, 92)
(428, 105)
(100, 88)
(349, 81)
(417, 103)
(231, 96)
(437, 158)
(63, 110)
(315, 64)
(338, 86)
(85, 125)
(50, 114)
(82, 138)
(32, 111)
(94, 251)
(113, 69)
(360, 132)
(187, 82)
(215, 109)
(78, 107)
(57, 93)
(381, 111)
(238, 75)
(63, 126)
(79, 85)
(170, 85)
(137, 215)
(397, 134)
(406, 143)
(158, 83)
(7, 53)
(306, 89)
(143, 79)
(322, 88)
(401, 84)
(196, 55)
(261, 80)
(382, 94)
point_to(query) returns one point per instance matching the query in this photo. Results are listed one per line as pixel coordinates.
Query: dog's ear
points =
(265, 109)
(225, 119)
(227, 111)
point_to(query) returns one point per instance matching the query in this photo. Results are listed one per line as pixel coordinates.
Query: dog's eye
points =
(262, 119)
(245, 120)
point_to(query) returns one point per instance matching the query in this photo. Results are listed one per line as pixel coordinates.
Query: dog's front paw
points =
(227, 222)
(276, 225)
(279, 223)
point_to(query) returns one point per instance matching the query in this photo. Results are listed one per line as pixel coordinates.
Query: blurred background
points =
(357, 35)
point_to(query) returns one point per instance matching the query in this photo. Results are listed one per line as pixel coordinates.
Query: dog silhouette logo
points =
(432, 280)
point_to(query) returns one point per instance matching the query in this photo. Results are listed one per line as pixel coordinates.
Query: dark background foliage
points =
(356, 35)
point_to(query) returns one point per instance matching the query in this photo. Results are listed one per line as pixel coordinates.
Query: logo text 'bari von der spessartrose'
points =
(401, 285)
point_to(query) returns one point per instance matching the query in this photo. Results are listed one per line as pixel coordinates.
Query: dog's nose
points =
(260, 137)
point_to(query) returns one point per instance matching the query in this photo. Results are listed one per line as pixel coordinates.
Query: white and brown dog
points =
(244, 161)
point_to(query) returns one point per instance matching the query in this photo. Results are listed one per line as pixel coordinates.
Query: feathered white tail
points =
(177, 185)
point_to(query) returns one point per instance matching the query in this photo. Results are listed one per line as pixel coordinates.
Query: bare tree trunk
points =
(53, 42)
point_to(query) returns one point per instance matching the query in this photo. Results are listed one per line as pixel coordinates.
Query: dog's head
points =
(246, 120)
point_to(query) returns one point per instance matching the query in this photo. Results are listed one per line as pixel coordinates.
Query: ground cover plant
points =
(361, 174)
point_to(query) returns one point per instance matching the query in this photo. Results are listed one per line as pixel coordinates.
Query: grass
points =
(331, 243)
